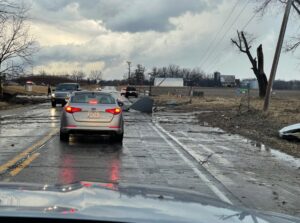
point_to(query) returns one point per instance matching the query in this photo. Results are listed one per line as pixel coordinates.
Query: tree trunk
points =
(261, 76)
(257, 63)
(262, 84)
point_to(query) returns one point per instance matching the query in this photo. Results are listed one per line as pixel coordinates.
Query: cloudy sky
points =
(103, 34)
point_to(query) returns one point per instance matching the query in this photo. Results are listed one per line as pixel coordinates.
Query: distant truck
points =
(62, 91)
(129, 91)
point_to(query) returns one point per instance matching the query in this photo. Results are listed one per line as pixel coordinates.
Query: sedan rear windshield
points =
(93, 98)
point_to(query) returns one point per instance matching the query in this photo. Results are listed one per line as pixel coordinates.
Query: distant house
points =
(227, 80)
(168, 82)
(253, 83)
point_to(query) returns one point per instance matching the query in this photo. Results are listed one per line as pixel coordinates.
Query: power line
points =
(220, 30)
(215, 60)
(249, 21)
(229, 28)
(244, 27)
(234, 21)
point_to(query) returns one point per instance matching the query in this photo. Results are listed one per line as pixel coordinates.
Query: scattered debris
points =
(158, 109)
(172, 103)
(207, 158)
(144, 104)
(283, 202)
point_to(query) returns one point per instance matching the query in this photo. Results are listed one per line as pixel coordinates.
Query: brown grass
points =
(36, 90)
(283, 110)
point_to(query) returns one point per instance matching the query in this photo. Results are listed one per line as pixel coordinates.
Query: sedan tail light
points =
(114, 111)
(70, 109)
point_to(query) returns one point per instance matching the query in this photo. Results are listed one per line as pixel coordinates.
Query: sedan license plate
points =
(94, 115)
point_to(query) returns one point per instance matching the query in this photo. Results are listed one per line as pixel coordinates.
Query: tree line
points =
(191, 77)
(93, 77)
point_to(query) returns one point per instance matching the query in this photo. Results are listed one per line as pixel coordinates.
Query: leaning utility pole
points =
(129, 67)
(277, 53)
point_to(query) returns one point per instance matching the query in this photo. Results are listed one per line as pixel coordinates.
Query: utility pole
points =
(150, 89)
(277, 53)
(129, 68)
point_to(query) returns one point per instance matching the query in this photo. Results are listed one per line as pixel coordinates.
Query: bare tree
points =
(7, 8)
(139, 74)
(16, 45)
(264, 5)
(78, 75)
(96, 75)
(244, 46)
(154, 72)
(173, 70)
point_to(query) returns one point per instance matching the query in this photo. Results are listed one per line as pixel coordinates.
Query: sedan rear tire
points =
(64, 136)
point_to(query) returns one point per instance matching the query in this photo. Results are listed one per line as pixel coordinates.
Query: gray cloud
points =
(71, 53)
(113, 31)
(120, 15)
(138, 15)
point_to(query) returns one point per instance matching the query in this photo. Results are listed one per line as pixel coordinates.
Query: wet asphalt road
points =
(164, 149)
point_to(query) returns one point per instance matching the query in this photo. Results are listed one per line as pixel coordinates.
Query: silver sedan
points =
(92, 112)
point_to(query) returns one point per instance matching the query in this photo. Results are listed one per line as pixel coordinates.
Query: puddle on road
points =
(29, 119)
(275, 153)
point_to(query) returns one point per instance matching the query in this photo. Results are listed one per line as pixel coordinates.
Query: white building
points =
(168, 82)
(227, 80)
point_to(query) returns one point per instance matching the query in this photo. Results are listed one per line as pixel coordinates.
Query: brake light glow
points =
(70, 109)
(71, 126)
(93, 101)
(114, 127)
(114, 111)
(85, 184)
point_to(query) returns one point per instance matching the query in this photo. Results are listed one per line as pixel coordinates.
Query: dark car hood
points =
(128, 203)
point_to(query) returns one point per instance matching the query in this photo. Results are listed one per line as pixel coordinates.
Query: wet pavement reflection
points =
(82, 152)
(245, 171)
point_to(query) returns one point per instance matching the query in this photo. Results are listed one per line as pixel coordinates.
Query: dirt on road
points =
(234, 116)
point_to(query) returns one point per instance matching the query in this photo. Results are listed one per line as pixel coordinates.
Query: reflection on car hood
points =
(128, 203)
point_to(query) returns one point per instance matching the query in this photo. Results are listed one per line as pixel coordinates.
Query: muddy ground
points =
(22, 100)
(234, 116)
